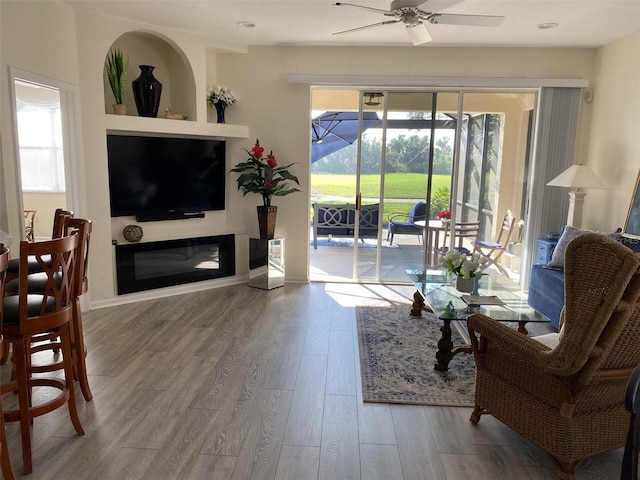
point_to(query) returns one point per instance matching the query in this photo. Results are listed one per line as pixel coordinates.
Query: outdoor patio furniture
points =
(404, 223)
(339, 221)
(494, 250)
(464, 232)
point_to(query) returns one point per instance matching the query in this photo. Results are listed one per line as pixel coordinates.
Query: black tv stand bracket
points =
(159, 217)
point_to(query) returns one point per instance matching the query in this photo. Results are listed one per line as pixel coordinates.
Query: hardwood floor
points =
(239, 383)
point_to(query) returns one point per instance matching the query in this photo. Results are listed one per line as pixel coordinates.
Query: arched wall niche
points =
(172, 69)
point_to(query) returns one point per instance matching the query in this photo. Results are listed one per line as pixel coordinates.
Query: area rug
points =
(397, 355)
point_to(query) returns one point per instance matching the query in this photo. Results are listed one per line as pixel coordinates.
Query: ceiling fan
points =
(407, 12)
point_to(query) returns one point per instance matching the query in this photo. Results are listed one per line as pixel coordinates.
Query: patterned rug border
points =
(397, 355)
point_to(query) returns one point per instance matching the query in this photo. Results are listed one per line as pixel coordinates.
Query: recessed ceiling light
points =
(546, 26)
(246, 24)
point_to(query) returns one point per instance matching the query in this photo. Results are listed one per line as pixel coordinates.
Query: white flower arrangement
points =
(463, 265)
(221, 94)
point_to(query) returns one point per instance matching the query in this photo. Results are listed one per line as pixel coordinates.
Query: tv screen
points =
(161, 177)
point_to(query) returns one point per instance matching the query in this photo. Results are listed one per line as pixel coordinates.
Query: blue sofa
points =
(546, 285)
(546, 292)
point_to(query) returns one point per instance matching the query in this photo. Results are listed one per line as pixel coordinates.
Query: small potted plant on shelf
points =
(117, 65)
(264, 177)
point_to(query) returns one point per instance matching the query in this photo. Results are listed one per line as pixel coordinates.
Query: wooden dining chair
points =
(493, 251)
(59, 217)
(26, 315)
(36, 283)
(465, 233)
(5, 461)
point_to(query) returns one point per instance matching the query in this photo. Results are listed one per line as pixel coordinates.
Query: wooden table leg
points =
(445, 347)
(446, 352)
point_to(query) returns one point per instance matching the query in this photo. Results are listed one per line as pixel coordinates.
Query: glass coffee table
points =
(436, 294)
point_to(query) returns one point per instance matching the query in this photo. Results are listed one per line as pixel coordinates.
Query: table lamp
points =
(577, 177)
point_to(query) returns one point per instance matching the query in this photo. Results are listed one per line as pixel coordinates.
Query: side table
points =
(544, 250)
(266, 263)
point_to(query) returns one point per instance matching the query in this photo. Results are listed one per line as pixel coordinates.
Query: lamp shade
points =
(578, 176)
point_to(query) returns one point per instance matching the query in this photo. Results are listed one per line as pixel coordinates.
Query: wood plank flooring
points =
(239, 383)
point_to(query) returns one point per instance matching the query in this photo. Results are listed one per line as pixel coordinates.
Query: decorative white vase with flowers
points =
(220, 97)
(467, 268)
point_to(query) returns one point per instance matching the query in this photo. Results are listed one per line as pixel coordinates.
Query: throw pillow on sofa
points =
(568, 234)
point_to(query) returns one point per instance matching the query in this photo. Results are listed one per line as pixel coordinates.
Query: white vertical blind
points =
(554, 151)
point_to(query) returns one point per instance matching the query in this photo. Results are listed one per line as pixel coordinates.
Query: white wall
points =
(73, 48)
(613, 140)
(38, 37)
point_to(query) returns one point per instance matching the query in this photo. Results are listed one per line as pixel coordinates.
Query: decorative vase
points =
(146, 92)
(119, 109)
(466, 285)
(220, 108)
(267, 221)
(445, 221)
(132, 233)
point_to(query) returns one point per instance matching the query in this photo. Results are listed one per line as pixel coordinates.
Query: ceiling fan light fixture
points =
(373, 98)
(418, 33)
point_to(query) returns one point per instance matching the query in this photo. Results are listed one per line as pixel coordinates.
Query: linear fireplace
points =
(149, 265)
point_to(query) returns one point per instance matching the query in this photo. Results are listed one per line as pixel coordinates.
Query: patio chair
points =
(463, 232)
(494, 250)
(404, 223)
(568, 396)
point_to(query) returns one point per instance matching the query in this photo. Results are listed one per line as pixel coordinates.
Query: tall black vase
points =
(146, 92)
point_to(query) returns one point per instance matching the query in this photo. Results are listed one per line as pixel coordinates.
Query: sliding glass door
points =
(412, 155)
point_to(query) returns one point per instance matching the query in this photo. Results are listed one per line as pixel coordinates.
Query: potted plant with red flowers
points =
(445, 216)
(263, 176)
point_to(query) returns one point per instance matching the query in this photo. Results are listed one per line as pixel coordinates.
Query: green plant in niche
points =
(116, 66)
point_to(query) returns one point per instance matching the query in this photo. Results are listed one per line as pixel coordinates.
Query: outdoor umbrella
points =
(333, 131)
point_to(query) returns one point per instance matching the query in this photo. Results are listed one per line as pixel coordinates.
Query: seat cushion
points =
(482, 243)
(33, 265)
(11, 314)
(36, 283)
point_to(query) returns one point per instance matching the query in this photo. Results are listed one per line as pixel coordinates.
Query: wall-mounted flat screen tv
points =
(162, 178)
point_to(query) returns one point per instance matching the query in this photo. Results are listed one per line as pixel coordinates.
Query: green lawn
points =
(411, 186)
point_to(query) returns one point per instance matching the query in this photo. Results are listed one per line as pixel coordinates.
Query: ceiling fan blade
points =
(387, 22)
(419, 34)
(470, 20)
(371, 9)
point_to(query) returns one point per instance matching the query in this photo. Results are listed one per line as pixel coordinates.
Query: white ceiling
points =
(581, 23)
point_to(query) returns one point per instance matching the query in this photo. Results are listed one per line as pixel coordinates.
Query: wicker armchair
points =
(569, 400)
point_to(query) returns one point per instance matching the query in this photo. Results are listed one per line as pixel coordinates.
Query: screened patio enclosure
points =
(467, 153)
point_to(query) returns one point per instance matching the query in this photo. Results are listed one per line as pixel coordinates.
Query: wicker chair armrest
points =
(489, 330)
